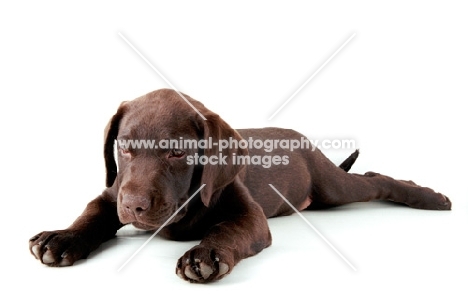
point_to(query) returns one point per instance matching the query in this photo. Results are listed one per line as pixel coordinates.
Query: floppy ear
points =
(216, 177)
(110, 134)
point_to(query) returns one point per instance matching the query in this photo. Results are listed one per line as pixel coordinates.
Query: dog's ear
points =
(216, 177)
(110, 135)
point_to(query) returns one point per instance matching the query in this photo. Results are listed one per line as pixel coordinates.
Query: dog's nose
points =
(137, 204)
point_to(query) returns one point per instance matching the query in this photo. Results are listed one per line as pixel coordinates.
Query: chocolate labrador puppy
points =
(151, 185)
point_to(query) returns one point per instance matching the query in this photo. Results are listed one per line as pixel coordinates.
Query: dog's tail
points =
(346, 165)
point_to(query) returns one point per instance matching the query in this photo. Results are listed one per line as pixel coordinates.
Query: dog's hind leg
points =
(333, 186)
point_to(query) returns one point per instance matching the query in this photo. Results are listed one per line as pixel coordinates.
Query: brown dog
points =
(230, 212)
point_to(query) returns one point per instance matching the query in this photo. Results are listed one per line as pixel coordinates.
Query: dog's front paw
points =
(203, 264)
(58, 248)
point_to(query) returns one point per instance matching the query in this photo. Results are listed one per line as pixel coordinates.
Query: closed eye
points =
(125, 152)
(176, 153)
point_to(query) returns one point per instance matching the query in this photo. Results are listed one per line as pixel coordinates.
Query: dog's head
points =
(155, 175)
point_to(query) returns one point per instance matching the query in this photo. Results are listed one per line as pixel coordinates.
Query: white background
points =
(397, 88)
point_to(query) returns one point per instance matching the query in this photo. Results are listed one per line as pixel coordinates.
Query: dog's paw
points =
(429, 199)
(202, 264)
(58, 248)
(414, 195)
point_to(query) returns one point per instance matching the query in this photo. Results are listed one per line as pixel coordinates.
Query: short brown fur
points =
(230, 213)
